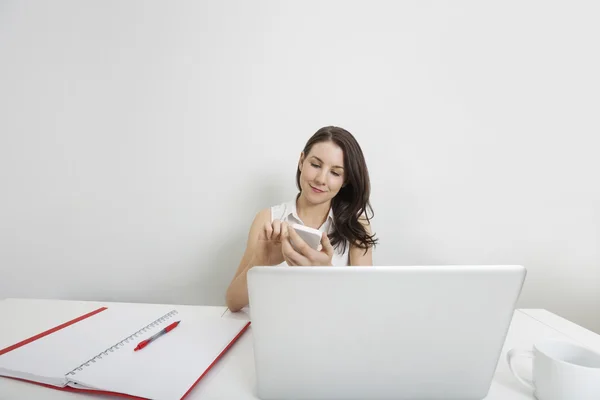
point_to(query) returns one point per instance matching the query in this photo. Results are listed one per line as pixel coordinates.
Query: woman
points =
(334, 185)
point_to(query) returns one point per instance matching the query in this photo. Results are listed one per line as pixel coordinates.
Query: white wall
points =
(138, 139)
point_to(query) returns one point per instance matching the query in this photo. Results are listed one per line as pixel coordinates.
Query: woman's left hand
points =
(303, 254)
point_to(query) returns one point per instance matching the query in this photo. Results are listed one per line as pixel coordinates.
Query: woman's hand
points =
(268, 248)
(304, 255)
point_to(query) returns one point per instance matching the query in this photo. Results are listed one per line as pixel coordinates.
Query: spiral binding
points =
(122, 343)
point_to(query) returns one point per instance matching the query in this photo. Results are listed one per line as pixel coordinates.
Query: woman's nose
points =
(320, 178)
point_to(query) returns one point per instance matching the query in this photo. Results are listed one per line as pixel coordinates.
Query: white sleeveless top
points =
(287, 212)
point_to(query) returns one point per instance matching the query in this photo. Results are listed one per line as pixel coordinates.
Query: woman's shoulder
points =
(260, 219)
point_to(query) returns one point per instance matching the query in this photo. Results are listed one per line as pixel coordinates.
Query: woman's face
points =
(322, 172)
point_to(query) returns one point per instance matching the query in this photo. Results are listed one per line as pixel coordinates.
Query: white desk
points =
(233, 376)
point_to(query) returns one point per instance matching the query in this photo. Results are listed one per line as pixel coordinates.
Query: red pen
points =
(146, 342)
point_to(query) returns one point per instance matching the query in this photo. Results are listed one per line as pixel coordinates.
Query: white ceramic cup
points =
(562, 370)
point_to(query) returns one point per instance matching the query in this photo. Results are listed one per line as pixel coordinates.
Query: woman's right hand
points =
(268, 247)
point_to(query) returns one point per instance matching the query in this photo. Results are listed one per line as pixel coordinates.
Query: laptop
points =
(405, 332)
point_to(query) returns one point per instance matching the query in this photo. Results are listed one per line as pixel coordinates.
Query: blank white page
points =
(51, 357)
(169, 366)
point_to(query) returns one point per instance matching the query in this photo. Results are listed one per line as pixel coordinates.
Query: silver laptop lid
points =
(416, 332)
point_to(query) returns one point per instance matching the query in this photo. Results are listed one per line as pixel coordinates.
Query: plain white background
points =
(139, 139)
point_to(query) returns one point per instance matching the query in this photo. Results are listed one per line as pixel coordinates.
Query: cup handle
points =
(511, 356)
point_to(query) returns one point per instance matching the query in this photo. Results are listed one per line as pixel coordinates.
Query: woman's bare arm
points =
(237, 292)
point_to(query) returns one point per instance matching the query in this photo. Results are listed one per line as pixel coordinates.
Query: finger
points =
(268, 229)
(301, 246)
(327, 247)
(289, 261)
(276, 229)
(298, 260)
(291, 255)
(284, 230)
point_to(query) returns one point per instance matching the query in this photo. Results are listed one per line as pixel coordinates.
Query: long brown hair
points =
(352, 201)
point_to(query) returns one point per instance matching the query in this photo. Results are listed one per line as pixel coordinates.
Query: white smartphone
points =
(311, 236)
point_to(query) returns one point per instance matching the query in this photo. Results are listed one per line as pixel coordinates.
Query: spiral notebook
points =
(94, 353)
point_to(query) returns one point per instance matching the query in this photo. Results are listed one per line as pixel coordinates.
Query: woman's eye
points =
(315, 165)
(335, 173)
